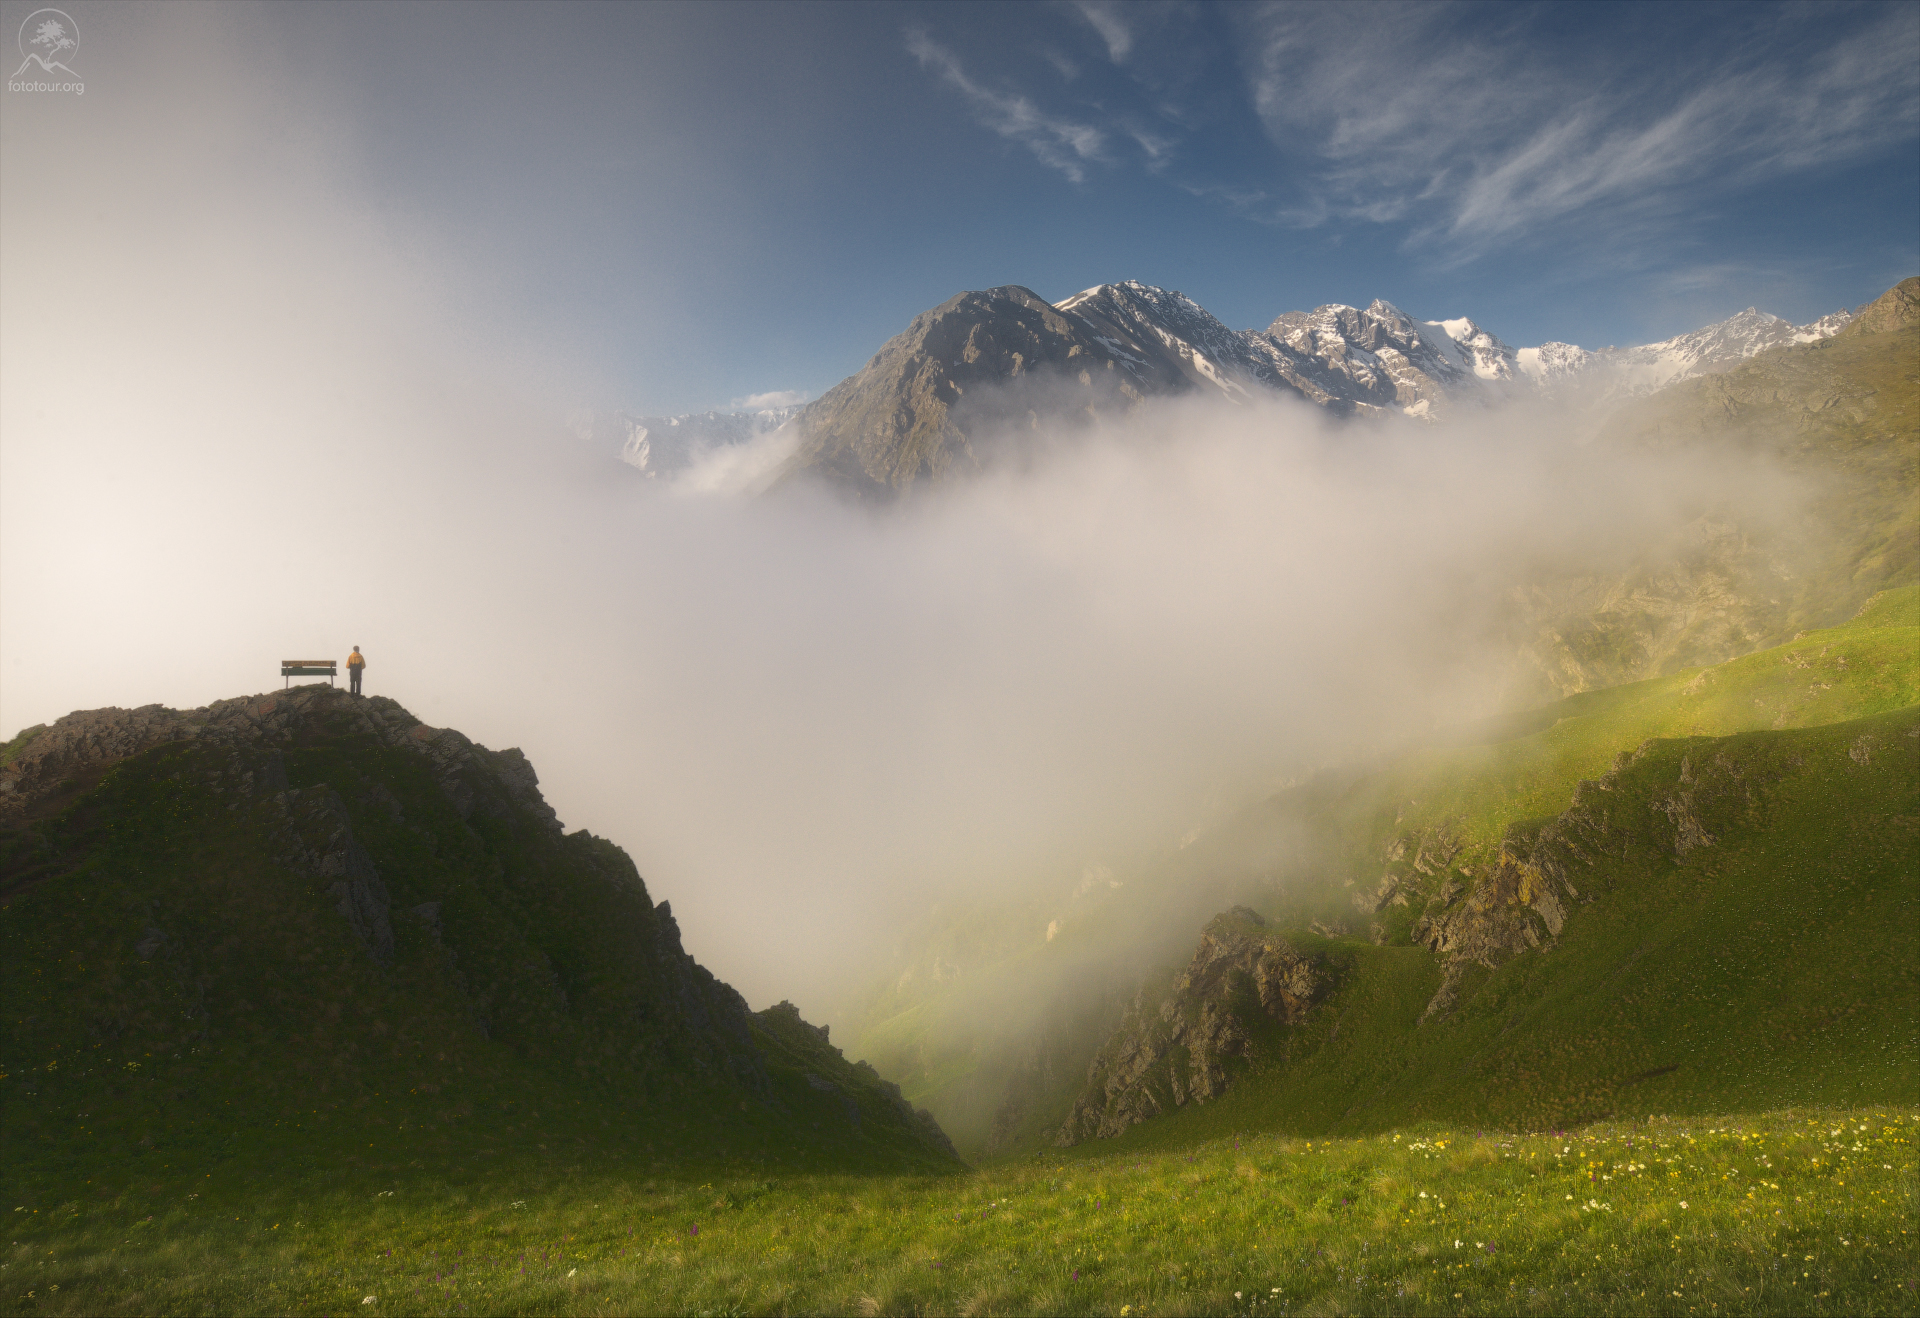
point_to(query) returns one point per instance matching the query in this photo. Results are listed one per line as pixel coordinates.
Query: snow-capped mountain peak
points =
(1551, 362)
(1654, 365)
(960, 374)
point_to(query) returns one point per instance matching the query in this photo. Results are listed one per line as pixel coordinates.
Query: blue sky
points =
(717, 201)
(697, 203)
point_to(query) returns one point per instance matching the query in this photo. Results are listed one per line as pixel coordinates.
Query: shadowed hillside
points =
(306, 927)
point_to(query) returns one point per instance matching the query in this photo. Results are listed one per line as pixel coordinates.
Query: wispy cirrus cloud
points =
(1110, 22)
(1062, 144)
(1473, 132)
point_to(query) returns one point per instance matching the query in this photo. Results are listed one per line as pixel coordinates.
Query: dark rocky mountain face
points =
(978, 363)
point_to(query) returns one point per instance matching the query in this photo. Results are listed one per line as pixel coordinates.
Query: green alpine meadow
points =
(1140, 660)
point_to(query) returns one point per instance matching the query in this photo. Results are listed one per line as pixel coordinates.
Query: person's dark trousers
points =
(354, 673)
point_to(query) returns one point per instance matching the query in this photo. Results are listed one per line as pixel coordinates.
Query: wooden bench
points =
(292, 668)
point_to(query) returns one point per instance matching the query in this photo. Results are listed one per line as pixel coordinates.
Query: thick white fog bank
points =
(244, 416)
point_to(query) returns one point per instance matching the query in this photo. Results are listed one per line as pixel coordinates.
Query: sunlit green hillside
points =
(1869, 665)
(1441, 817)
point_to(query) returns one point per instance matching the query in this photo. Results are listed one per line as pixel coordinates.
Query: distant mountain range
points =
(918, 411)
(922, 408)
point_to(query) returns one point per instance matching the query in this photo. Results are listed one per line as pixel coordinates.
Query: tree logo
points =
(48, 39)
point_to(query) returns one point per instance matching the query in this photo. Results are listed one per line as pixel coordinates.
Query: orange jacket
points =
(356, 660)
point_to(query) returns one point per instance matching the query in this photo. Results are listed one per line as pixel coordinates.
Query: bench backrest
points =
(307, 667)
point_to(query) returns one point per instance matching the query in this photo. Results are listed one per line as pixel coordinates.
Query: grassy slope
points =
(1866, 666)
(1786, 1213)
(262, 1034)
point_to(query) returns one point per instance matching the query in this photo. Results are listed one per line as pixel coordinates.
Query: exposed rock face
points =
(1523, 900)
(988, 364)
(717, 1016)
(975, 365)
(43, 759)
(1381, 358)
(1894, 309)
(1173, 1047)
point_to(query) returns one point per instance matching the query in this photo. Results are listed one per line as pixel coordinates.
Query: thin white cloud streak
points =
(237, 421)
(1107, 20)
(1473, 138)
(772, 399)
(1058, 143)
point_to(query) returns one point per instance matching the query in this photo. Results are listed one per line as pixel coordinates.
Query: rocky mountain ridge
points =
(986, 366)
(48, 763)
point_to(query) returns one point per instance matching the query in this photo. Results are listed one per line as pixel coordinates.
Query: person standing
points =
(356, 664)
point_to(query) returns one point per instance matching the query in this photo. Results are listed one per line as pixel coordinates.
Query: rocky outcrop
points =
(1523, 900)
(1175, 1047)
(717, 1019)
(44, 760)
(74, 750)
